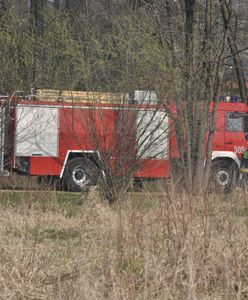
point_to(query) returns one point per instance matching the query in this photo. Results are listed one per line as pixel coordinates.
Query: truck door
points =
(235, 139)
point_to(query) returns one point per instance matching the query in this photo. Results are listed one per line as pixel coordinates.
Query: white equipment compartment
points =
(37, 131)
(152, 134)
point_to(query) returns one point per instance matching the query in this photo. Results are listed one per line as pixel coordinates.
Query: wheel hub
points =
(222, 177)
(80, 177)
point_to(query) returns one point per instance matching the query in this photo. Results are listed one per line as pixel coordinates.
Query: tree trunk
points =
(207, 94)
(37, 20)
(238, 67)
(57, 4)
(232, 42)
(37, 31)
(3, 7)
(189, 56)
(217, 90)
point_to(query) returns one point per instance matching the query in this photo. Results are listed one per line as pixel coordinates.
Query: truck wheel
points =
(223, 176)
(80, 174)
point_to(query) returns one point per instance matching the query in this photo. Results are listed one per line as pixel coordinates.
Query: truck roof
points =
(225, 106)
(229, 106)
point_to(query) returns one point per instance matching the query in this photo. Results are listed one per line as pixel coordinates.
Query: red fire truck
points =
(78, 142)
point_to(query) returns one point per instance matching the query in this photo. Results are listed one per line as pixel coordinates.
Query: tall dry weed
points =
(158, 244)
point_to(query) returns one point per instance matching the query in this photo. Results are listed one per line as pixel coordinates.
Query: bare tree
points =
(234, 49)
(125, 141)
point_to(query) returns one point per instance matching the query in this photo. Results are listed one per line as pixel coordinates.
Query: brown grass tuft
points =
(153, 245)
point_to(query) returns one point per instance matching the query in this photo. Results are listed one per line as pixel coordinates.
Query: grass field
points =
(162, 245)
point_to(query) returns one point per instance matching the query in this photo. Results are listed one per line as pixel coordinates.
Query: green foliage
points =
(128, 57)
(16, 50)
(80, 52)
(61, 59)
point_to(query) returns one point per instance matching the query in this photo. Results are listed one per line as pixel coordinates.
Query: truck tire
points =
(223, 176)
(80, 174)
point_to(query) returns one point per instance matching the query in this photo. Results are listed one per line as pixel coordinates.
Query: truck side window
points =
(234, 124)
(246, 127)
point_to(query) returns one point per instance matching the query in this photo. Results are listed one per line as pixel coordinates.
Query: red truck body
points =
(47, 136)
(92, 129)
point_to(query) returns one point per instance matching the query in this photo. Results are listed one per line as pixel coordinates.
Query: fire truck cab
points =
(230, 142)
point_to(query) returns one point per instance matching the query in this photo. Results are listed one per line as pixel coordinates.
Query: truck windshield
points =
(245, 124)
(238, 122)
(234, 122)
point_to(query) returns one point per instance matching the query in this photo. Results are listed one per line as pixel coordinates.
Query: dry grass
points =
(150, 246)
